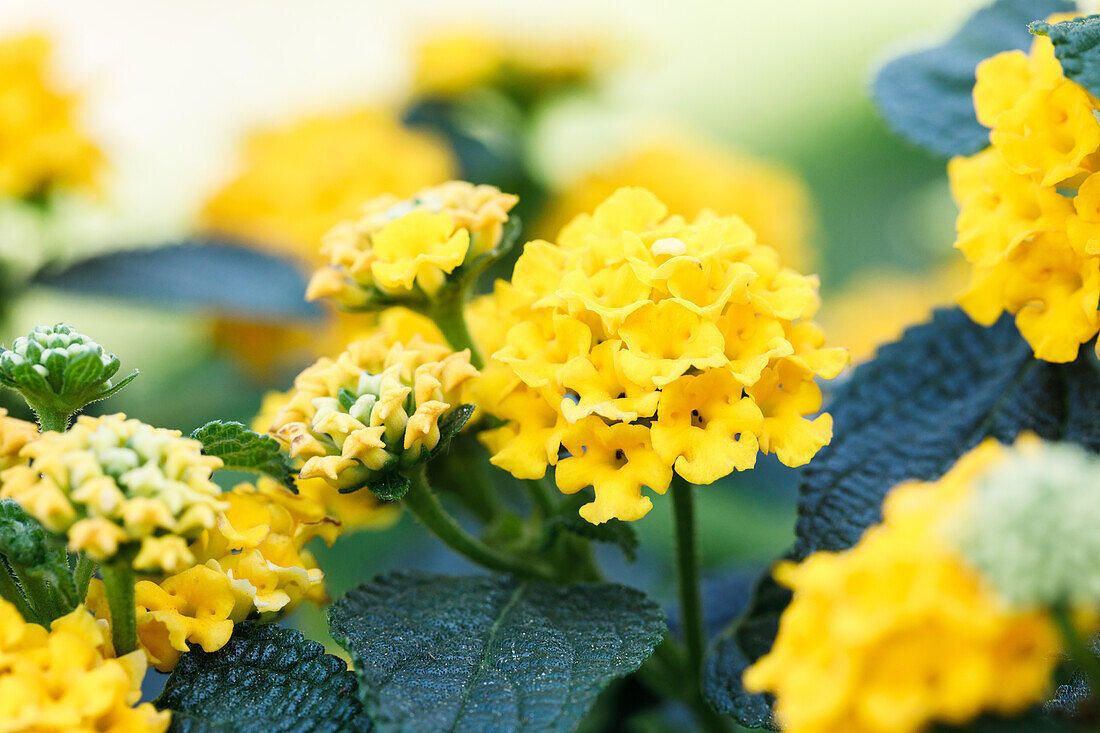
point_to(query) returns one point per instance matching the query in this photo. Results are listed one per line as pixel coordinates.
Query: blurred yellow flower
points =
(14, 434)
(642, 343)
(1028, 204)
(876, 307)
(119, 488)
(373, 408)
(65, 679)
(693, 176)
(451, 62)
(41, 145)
(398, 243)
(297, 181)
(898, 632)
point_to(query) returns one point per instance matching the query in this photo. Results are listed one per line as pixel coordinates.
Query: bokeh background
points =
(171, 90)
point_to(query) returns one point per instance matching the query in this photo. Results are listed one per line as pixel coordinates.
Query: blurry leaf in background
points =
(205, 275)
(691, 176)
(926, 96)
(490, 652)
(1077, 47)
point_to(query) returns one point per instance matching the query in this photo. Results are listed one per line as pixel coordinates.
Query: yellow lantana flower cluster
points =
(450, 63)
(42, 147)
(65, 679)
(899, 632)
(119, 488)
(1029, 219)
(694, 176)
(641, 344)
(399, 245)
(375, 407)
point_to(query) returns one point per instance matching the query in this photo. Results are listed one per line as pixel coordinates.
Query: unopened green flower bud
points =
(58, 371)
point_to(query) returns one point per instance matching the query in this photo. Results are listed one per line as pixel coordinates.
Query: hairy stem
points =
(425, 506)
(687, 563)
(450, 317)
(118, 581)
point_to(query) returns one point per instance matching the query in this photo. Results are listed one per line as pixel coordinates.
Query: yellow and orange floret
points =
(68, 679)
(641, 343)
(1029, 220)
(41, 144)
(900, 631)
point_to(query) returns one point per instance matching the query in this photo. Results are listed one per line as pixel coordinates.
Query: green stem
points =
(687, 560)
(1077, 647)
(545, 498)
(450, 317)
(50, 419)
(11, 592)
(425, 506)
(118, 582)
(82, 575)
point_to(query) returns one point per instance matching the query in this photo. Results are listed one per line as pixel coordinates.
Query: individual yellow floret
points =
(14, 435)
(640, 343)
(405, 248)
(65, 679)
(119, 489)
(898, 632)
(43, 147)
(374, 408)
(1028, 204)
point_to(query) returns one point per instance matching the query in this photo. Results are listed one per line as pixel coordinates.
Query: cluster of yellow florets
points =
(642, 343)
(899, 631)
(64, 679)
(454, 62)
(252, 563)
(42, 146)
(119, 488)
(1029, 219)
(692, 177)
(373, 408)
(399, 245)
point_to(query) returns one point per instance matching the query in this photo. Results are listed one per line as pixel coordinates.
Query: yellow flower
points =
(119, 488)
(898, 631)
(14, 434)
(65, 679)
(43, 147)
(295, 182)
(373, 408)
(399, 243)
(694, 176)
(456, 61)
(1028, 204)
(641, 344)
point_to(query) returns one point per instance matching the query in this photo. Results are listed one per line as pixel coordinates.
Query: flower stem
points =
(687, 560)
(425, 506)
(1084, 657)
(50, 419)
(544, 497)
(118, 582)
(449, 316)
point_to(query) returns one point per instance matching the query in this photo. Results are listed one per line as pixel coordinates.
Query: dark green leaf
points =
(489, 652)
(23, 543)
(449, 426)
(267, 679)
(244, 450)
(910, 414)
(1077, 46)
(199, 274)
(613, 532)
(926, 96)
(1032, 721)
(389, 486)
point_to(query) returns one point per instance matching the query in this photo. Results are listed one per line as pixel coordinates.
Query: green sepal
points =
(241, 449)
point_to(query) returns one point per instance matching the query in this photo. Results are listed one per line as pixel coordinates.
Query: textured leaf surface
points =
(244, 450)
(926, 96)
(196, 274)
(267, 679)
(1077, 46)
(489, 653)
(910, 414)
